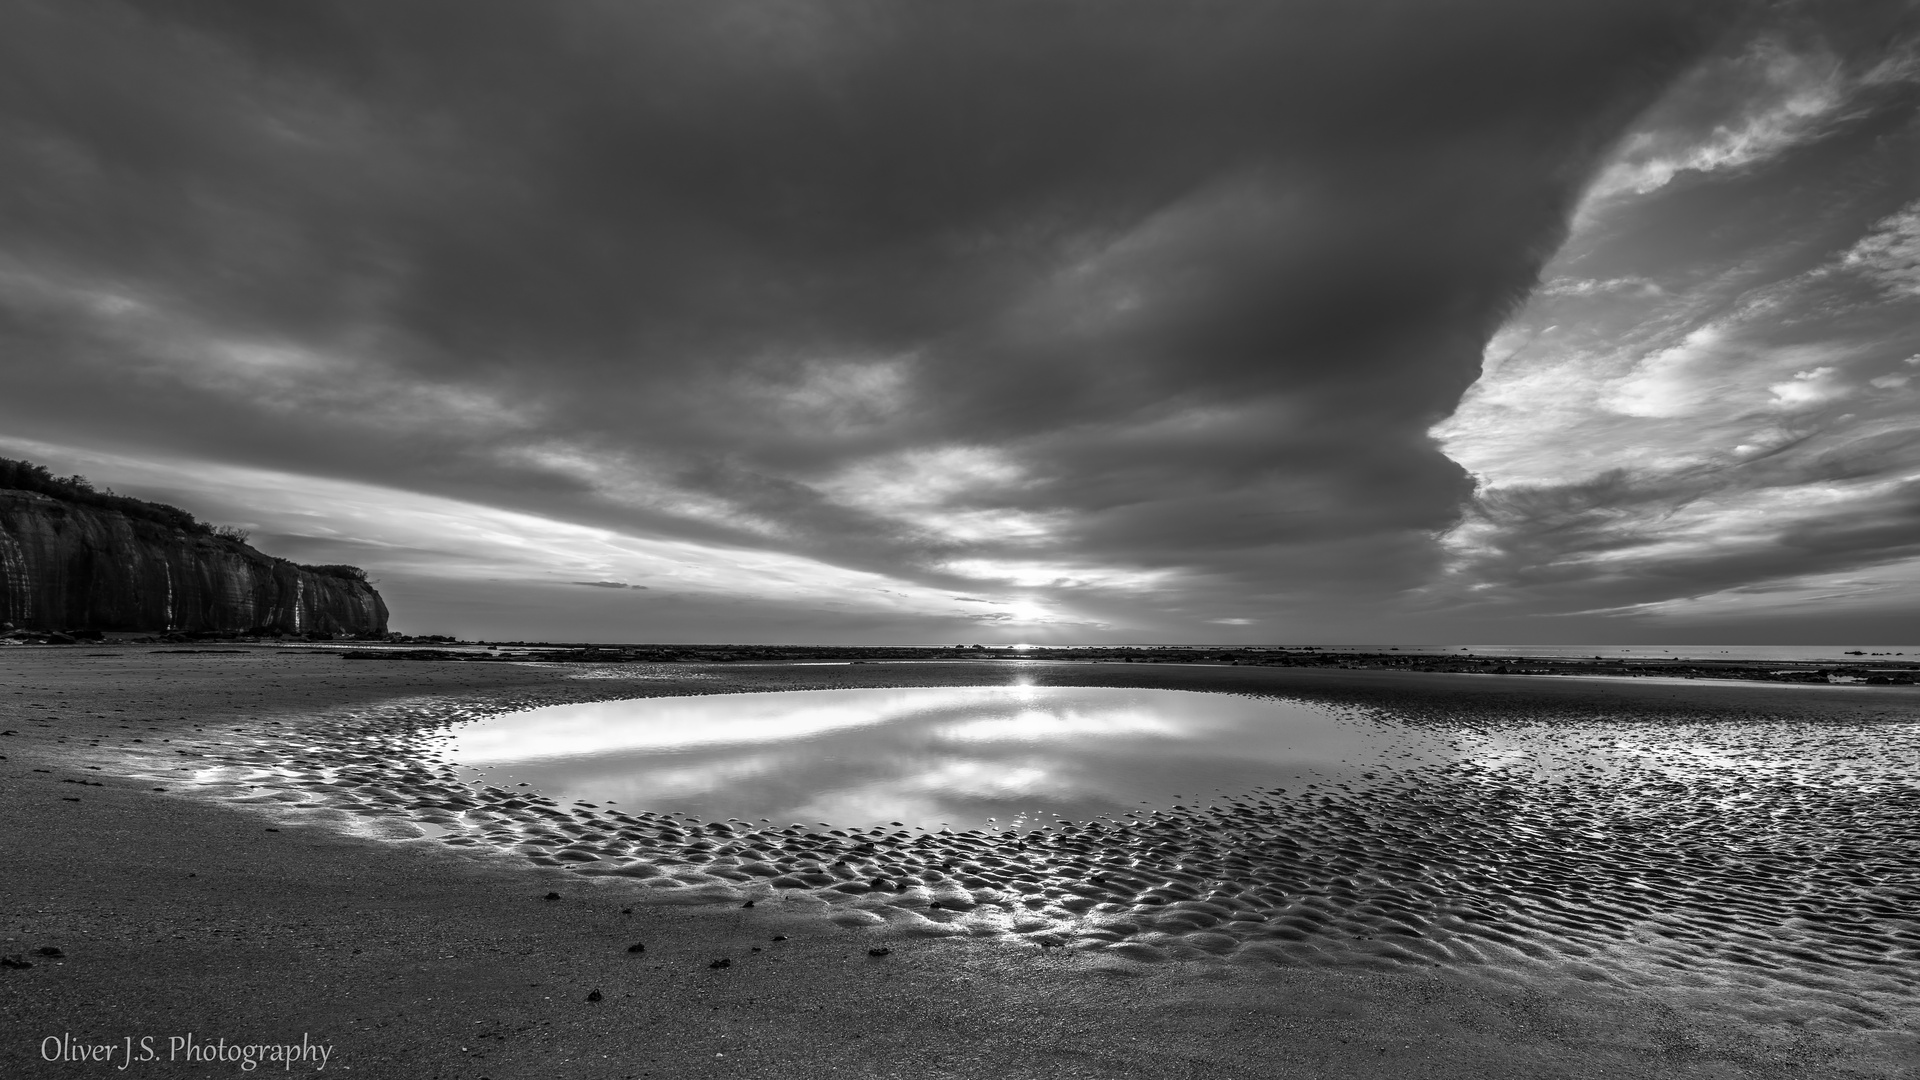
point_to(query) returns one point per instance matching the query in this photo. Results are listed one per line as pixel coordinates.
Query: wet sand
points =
(1619, 880)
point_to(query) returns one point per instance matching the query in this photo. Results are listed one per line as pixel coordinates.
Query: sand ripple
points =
(1773, 861)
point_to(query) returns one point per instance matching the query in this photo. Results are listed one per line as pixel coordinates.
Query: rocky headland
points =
(81, 561)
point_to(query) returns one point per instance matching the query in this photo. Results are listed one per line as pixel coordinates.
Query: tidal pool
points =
(964, 757)
(1731, 854)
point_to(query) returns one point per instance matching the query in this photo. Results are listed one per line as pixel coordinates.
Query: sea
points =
(1840, 654)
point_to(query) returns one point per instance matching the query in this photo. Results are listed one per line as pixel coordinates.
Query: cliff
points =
(65, 565)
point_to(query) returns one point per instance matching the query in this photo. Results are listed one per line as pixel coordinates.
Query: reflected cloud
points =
(680, 723)
(960, 755)
(1037, 725)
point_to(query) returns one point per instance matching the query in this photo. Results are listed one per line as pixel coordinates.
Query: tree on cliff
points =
(26, 476)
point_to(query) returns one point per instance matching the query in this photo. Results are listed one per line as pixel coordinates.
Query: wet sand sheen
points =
(1764, 859)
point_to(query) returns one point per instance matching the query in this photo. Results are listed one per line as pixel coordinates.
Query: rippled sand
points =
(1755, 855)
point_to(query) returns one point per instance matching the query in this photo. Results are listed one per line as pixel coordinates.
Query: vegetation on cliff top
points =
(26, 476)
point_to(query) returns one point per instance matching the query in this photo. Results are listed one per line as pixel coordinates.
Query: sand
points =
(303, 880)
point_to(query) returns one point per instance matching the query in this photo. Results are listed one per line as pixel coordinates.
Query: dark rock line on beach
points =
(1870, 669)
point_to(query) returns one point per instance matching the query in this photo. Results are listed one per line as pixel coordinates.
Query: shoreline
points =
(1889, 669)
(179, 913)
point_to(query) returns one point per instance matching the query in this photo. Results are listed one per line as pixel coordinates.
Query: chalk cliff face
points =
(70, 567)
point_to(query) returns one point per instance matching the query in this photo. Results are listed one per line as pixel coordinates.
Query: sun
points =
(1026, 610)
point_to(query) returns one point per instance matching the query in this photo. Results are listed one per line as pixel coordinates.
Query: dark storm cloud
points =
(1818, 506)
(1858, 537)
(1155, 288)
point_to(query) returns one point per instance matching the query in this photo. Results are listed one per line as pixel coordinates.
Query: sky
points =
(1308, 322)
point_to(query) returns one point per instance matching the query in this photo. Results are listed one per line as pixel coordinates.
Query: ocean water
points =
(1757, 653)
(1846, 654)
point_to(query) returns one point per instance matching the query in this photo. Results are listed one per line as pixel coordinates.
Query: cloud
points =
(1785, 98)
(1110, 317)
(1640, 545)
(1890, 254)
(1675, 381)
(1813, 387)
(1737, 440)
(1630, 285)
(1808, 76)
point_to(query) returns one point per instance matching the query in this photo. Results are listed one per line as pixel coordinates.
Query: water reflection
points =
(966, 757)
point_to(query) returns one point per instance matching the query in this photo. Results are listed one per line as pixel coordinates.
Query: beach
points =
(174, 835)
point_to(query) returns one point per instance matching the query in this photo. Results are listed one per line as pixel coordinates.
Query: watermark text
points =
(131, 1050)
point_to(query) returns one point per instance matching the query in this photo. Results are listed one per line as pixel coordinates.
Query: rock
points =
(15, 961)
(636, 947)
(593, 995)
(883, 951)
(66, 563)
(552, 896)
(720, 963)
(50, 950)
